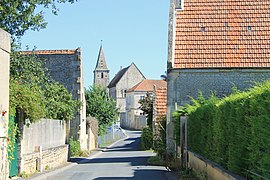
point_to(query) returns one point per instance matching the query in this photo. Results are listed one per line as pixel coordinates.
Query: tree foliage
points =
(233, 131)
(18, 16)
(101, 106)
(33, 91)
(147, 108)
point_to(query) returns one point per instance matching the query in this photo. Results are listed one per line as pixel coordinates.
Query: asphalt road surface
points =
(121, 161)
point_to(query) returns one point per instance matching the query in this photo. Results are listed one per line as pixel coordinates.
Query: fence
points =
(113, 134)
(204, 167)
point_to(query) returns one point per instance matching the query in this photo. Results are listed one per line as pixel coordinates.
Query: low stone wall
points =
(44, 159)
(208, 169)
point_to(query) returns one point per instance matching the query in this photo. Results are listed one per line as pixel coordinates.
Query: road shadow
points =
(141, 174)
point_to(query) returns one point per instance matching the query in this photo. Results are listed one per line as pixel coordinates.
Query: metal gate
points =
(13, 165)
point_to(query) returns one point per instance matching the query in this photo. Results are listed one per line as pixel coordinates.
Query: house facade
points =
(65, 67)
(135, 117)
(101, 72)
(125, 79)
(214, 46)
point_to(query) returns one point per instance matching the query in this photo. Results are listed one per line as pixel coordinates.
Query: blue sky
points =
(131, 30)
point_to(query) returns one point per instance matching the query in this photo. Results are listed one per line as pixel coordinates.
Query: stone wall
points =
(45, 133)
(45, 159)
(209, 170)
(4, 100)
(65, 66)
(185, 83)
(43, 144)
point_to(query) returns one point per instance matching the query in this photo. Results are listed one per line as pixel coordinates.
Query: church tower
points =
(101, 72)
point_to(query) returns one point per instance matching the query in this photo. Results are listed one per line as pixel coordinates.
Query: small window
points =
(102, 75)
(249, 28)
(203, 29)
(141, 97)
(226, 24)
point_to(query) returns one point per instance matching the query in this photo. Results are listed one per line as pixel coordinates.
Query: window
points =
(249, 28)
(203, 29)
(141, 97)
(179, 4)
(102, 75)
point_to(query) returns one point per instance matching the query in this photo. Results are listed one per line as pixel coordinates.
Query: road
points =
(121, 161)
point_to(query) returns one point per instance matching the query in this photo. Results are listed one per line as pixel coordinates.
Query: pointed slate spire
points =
(101, 72)
(101, 61)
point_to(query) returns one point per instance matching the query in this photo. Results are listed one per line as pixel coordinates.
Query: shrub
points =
(160, 139)
(233, 131)
(147, 139)
(75, 148)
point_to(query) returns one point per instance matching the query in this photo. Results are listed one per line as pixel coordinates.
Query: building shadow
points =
(143, 174)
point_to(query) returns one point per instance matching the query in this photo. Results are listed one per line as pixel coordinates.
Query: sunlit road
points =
(124, 160)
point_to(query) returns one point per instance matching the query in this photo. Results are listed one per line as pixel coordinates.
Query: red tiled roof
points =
(64, 51)
(161, 101)
(223, 33)
(147, 85)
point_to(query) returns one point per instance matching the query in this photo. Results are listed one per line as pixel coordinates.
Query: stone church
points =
(101, 72)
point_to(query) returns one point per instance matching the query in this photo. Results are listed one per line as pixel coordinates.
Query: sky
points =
(130, 30)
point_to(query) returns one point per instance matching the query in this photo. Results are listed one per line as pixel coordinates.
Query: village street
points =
(123, 160)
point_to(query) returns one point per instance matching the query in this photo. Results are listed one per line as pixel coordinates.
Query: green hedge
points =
(234, 131)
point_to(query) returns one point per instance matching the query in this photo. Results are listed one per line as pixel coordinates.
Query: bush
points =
(160, 139)
(75, 148)
(147, 139)
(233, 131)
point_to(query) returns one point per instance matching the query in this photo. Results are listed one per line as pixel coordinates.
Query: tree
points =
(35, 93)
(18, 16)
(147, 108)
(101, 106)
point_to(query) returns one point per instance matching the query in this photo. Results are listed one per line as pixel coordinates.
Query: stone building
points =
(125, 79)
(65, 67)
(101, 72)
(135, 118)
(4, 101)
(213, 46)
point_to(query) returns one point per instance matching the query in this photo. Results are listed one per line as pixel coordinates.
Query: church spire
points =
(101, 72)
(101, 61)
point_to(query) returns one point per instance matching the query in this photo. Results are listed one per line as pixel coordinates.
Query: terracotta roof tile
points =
(161, 100)
(147, 85)
(223, 33)
(63, 51)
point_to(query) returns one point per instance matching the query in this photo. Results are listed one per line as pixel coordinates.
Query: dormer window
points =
(179, 4)
(203, 29)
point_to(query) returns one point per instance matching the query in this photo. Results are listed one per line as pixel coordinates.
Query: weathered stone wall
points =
(43, 144)
(47, 159)
(4, 100)
(65, 66)
(45, 133)
(185, 83)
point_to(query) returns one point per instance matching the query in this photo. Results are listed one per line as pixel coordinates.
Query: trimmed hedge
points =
(234, 131)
